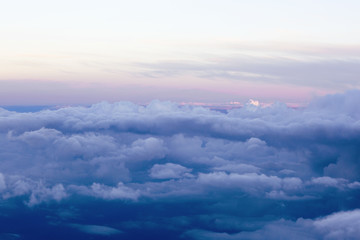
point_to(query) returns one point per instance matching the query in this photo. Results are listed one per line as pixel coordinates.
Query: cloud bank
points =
(127, 171)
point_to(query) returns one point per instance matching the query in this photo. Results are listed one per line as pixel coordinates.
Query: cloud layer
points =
(183, 172)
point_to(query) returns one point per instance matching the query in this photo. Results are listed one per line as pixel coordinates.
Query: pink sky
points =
(209, 51)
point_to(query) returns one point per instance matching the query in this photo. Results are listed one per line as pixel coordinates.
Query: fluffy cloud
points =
(340, 225)
(266, 170)
(106, 192)
(169, 170)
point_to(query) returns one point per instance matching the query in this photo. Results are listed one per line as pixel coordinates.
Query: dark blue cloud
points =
(163, 171)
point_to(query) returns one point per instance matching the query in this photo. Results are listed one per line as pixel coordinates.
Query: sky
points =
(182, 120)
(83, 52)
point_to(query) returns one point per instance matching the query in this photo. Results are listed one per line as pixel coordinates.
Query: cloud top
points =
(247, 172)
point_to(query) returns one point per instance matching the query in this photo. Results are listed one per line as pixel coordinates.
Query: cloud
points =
(317, 71)
(169, 170)
(249, 181)
(145, 149)
(42, 193)
(328, 181)
(238, 168)
(2, 182)
(96, 229)
(107, 192)
(339, 225)
(269, 170)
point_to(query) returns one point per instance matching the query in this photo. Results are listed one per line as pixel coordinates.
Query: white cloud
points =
(328, 181)
(42, 194)
(145, 149)
(169, 170)
(251, 182)
(272, 163)
(119, 192)
(96, 229)
(2, 182)
(340, 225)
(238, 168)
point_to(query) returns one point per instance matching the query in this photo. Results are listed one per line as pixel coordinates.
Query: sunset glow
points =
(179, 120)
